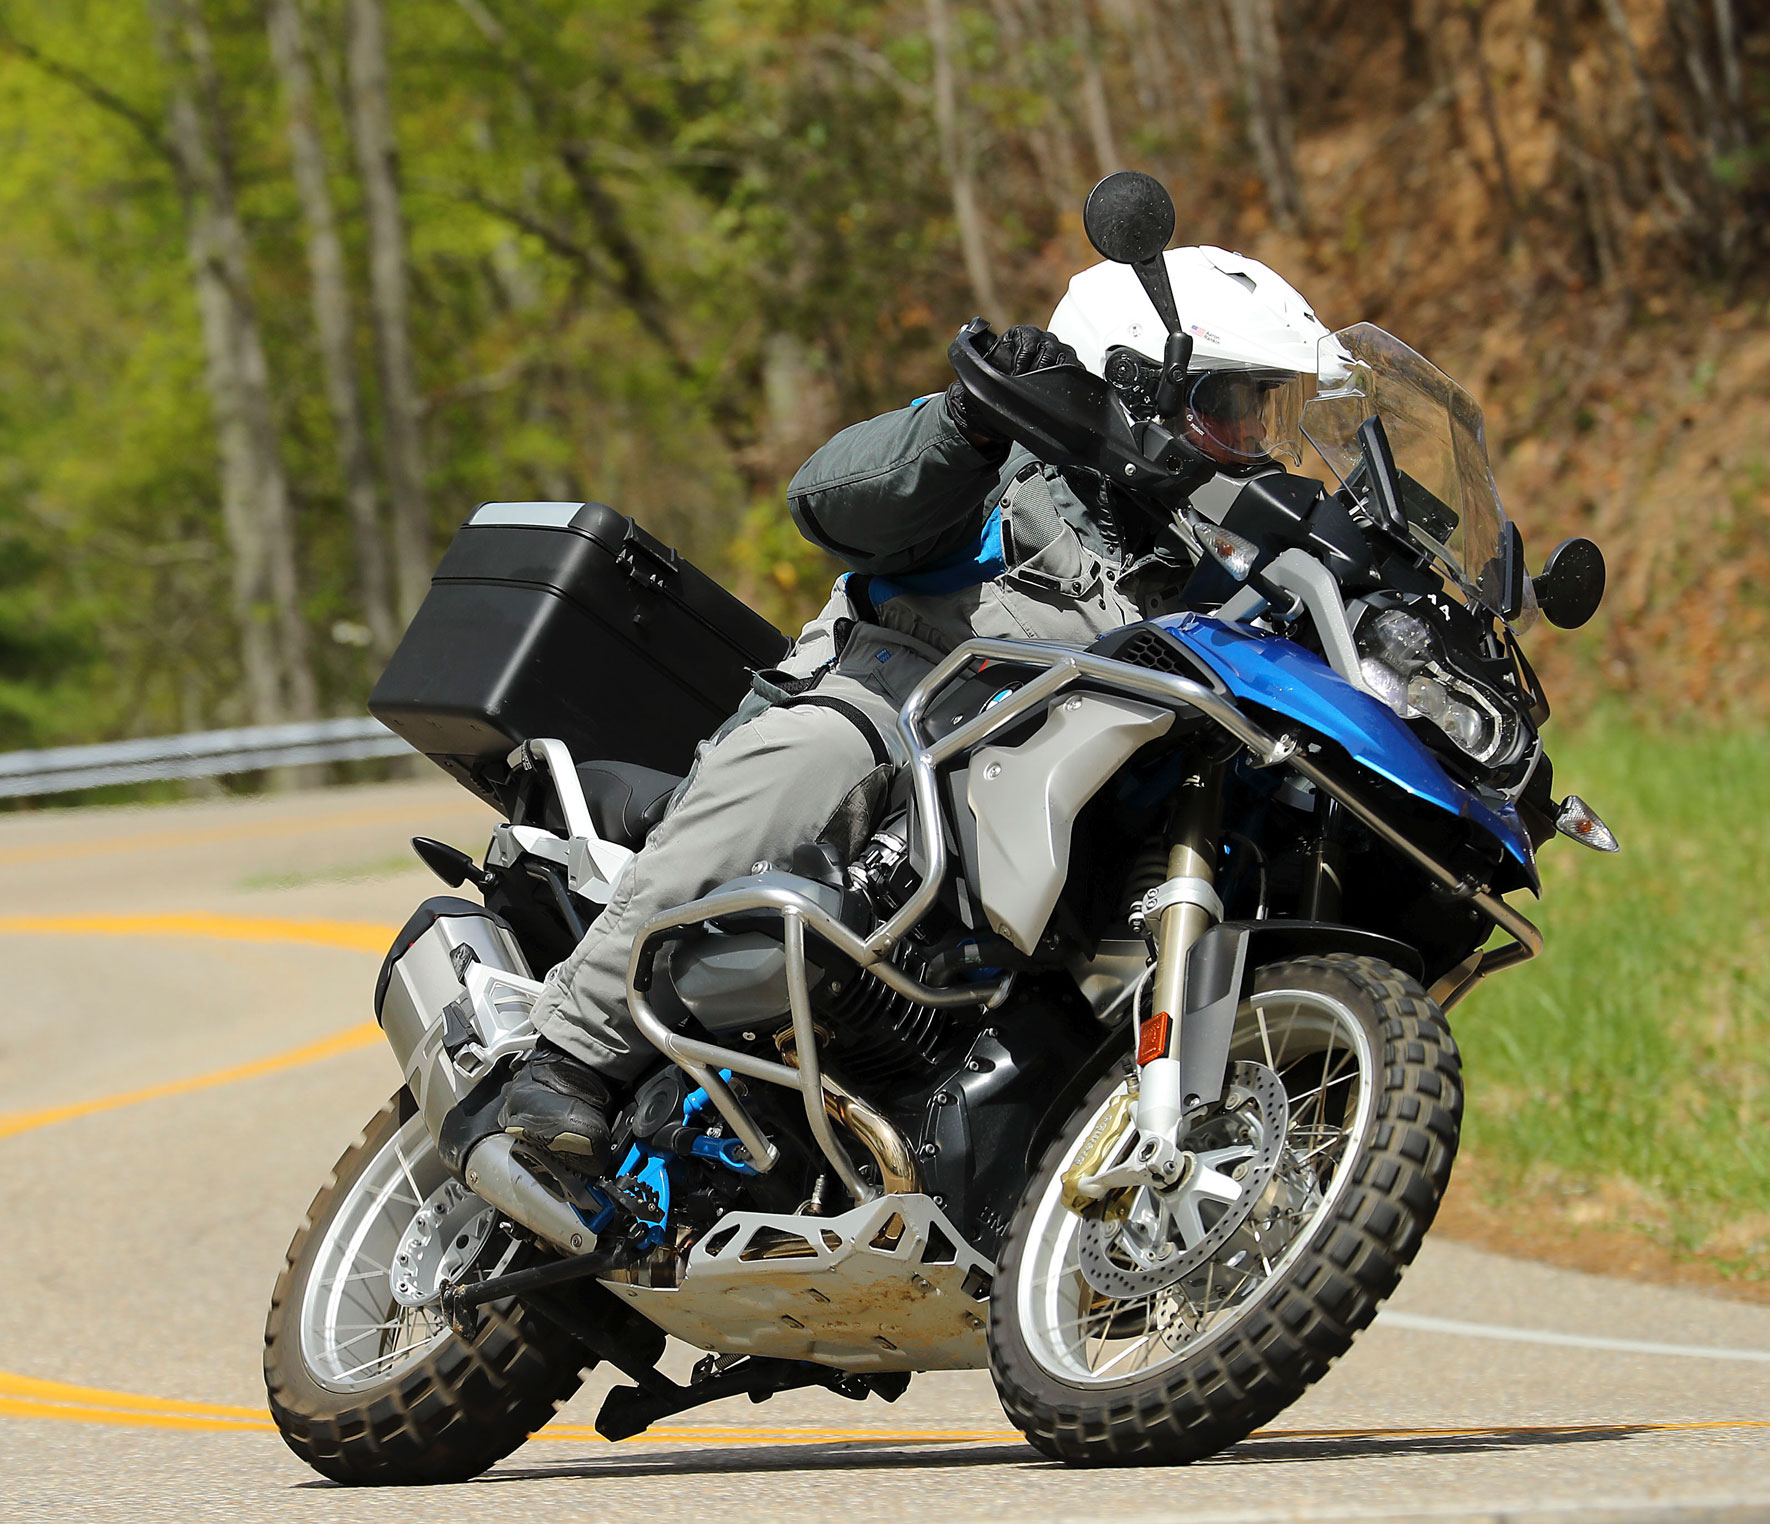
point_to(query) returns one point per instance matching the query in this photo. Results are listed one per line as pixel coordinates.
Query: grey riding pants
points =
(772, 779)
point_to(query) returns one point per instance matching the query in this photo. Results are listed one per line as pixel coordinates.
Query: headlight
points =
(1400, 640)
(1403, 663)
(1467, 727)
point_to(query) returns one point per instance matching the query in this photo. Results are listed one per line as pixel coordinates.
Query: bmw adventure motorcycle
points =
(1115, 1060)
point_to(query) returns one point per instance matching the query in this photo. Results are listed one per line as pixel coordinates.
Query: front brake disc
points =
(1258, 1106)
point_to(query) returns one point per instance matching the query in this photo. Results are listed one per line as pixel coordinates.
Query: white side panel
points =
(1026, 799)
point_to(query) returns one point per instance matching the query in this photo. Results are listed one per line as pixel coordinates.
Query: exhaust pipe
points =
(499, 1179)
(891, 1152)
(453, 1001)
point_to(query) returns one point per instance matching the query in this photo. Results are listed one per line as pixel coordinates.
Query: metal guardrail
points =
(202, 754)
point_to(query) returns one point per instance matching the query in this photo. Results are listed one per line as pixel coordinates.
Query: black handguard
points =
(1019, 351)
(1066, 415)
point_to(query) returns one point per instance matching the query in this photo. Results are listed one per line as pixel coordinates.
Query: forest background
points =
(288, 286)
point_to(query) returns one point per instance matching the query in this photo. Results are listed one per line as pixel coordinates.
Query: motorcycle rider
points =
(949, 533)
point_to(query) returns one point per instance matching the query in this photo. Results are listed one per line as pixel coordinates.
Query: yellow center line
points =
(33, 1397)
(351, 936)
(13, 1408)
(1501, 1430)
(65, 1395)
(30, 1397)
(348, 1041)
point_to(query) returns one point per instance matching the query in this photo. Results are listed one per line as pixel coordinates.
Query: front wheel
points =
(1157, 1327)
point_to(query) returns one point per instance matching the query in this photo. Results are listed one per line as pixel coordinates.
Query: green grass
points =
(1630, 1064)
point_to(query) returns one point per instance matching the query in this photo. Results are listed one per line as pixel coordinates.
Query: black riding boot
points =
(559, 1103)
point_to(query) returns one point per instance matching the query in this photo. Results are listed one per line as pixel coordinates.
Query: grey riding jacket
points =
(945, 544)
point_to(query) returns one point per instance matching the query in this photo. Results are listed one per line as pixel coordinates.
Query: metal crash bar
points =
(1065, 666)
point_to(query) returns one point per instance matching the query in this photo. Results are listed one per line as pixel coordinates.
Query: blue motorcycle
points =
(1116, 1060)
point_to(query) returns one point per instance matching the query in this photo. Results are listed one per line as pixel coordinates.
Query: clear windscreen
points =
(1439, 440)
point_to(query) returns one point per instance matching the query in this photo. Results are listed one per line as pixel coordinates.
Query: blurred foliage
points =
(659, 249)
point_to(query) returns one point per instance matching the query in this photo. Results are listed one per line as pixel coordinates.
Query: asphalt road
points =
(213, 961)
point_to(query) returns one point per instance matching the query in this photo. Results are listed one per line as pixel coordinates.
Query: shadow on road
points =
(861, 1455)
(1331, 1447)
(838, 1455)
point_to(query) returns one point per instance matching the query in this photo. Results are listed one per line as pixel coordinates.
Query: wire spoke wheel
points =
(366, 1381)
(1161, 1324)
(372, 1306)
(1320, 1055)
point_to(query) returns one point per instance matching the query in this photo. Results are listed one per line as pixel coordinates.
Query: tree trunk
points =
(1490, 118)
(256, 513)
(1727, 46)
(1564, 107)
(1254, 31)
(1152, 74)
(1094, 107)
(1687, 27)
(956, 159)
(1209, 58)
(371, 115)
(1048, 140)
(1671, 183)
(332, 321)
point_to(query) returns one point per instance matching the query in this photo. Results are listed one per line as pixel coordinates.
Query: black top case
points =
(567, 620)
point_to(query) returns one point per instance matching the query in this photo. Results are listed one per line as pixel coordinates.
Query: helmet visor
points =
(1244, 417)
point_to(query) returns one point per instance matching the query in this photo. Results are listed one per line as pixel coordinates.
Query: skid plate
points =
(888, 1286)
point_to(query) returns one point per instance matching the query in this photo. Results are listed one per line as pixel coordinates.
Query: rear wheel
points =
(367, 1382)
(1157, 1327)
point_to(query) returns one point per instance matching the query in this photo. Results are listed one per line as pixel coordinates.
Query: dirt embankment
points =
(1611, 1229)
(1567, 206)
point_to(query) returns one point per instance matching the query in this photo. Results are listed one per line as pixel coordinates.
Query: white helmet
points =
(1254, 340)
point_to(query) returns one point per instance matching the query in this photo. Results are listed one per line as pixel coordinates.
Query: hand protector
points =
(1025, 347)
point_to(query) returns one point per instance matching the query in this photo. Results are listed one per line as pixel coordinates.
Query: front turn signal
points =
(1578, 820)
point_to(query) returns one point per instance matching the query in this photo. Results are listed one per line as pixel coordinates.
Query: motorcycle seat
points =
(626, 800)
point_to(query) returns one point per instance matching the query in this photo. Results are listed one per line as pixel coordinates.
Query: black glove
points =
(1022, 348)
(1027, 347)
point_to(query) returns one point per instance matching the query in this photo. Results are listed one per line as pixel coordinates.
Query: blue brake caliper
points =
(644, 1174)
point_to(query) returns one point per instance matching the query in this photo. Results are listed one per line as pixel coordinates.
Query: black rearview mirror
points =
(1571, 584)
(1129, 218)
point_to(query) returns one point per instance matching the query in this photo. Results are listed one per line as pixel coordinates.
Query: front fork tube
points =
(1192, 910)
(1324, 868)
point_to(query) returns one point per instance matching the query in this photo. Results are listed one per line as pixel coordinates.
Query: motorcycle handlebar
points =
(1067, 415)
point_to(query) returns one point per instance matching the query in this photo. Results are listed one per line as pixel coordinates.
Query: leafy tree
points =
(654, 251)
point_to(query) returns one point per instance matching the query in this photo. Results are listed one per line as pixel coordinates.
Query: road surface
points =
(183, 1053)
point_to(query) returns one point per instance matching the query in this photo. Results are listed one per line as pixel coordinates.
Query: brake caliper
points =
(1101, 1146)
